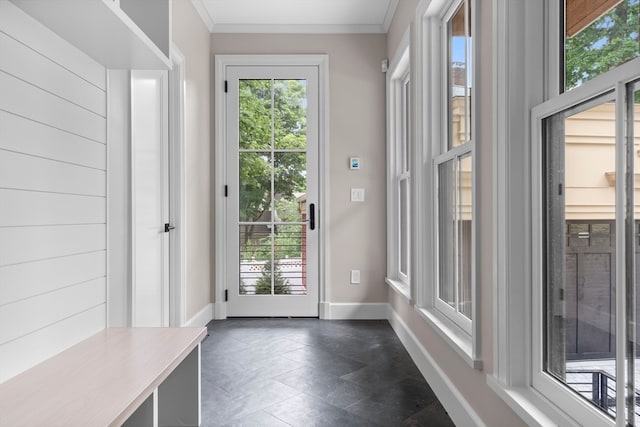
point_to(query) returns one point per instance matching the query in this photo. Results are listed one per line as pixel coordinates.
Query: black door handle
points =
(312, 216)
(168, 227)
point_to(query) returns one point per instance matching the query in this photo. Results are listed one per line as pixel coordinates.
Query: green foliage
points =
(263, 284)
(272, 115)
(288, 210)
(286, 122)
(608, 42)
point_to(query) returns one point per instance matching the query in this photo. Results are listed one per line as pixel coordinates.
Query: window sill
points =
(401, 288)
(530, 405)
(459, 340)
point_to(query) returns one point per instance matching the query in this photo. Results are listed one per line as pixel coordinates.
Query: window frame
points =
(399, 147)
(542, 382)
(611, 85)
(525, 36)
(463, 335)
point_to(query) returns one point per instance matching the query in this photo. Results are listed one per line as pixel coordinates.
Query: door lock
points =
(168, 227)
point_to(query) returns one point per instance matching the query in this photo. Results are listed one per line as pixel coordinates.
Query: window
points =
(399, 172)
(447, 298)
(584, 276)
(587, 339)
(567, 219)
(453, 166)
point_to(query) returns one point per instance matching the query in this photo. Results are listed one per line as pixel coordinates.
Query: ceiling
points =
(296, 16)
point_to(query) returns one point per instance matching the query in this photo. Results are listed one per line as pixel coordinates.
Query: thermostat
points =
(354, 163)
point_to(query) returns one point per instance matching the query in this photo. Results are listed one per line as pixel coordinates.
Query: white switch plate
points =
(355, 277)
(357, 194)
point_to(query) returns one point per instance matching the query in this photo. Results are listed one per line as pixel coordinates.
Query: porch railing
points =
(599, 387)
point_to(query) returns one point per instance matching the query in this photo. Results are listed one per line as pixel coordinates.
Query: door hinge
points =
(226, 86)
(226, 191)
(226, 295)
(560, 189)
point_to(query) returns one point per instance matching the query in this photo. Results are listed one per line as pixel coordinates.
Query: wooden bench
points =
(120, 376)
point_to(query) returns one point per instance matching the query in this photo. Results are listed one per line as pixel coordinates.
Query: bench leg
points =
(146, 415)
(179, 394)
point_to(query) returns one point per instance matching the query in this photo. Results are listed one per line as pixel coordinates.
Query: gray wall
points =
(191, 37)
(357, 127)
(470, 383)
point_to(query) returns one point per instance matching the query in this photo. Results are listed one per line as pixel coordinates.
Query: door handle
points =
(168, 227)
(312, 216)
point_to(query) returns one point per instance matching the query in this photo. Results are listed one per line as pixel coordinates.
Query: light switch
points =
(355, 276)
(357, 194)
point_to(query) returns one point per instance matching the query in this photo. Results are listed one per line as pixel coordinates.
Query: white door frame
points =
(177, 203)
(221, 62)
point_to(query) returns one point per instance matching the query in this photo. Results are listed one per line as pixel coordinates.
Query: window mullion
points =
(467, 58)
(398, 239)
(620, 210)
(273, 171)
(630, 245)
(456, 234)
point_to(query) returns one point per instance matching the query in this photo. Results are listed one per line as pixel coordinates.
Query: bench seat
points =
(119, 376)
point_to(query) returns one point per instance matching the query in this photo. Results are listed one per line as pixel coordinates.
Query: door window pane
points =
(599, 36)
(290, 185)
(580, 286)
(290, 257)
(290, 114)
(255, 187)
(255, 114)
(255, 259)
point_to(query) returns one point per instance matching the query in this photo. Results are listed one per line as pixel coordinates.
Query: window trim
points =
(398, 73)
(522, 40)
(431, 68)
(519, 47)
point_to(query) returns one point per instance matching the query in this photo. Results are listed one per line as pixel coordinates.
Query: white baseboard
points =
(325, 311)
(356, 311)
(460, 411)
(220, 310)
(203, 317)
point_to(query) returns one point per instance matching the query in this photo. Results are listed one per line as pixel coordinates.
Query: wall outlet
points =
(355, 277)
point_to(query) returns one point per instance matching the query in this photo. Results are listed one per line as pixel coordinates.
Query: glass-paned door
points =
(272, 191)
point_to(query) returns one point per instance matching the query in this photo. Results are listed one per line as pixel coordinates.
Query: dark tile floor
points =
(309, 372)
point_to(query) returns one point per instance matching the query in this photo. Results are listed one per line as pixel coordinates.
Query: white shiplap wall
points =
(52, 193)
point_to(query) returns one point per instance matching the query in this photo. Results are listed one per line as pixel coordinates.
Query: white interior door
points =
(150, 198)
(272, 191)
